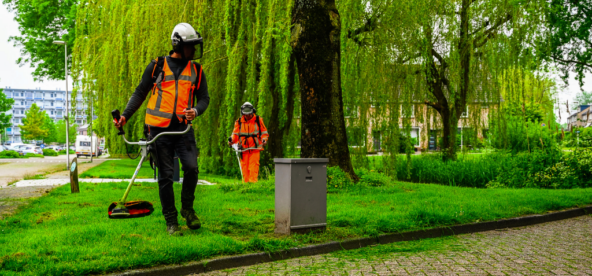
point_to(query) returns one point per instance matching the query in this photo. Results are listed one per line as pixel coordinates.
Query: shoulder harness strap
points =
(158, 68)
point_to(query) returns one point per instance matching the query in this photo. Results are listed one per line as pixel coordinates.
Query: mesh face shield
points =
(247, 109)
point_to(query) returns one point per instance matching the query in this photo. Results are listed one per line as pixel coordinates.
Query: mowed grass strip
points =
(70, 234)
(125, 168)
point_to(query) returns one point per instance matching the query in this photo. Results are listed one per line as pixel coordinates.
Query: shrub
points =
(61, 152)
(337, 179)
(49, 152)
(566, 171)
(516, 135)
(33, 155)
(519, 170)
(467, 171)
(372, 178)
(9, 154)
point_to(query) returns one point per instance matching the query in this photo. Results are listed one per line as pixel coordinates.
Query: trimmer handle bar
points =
(116, 115)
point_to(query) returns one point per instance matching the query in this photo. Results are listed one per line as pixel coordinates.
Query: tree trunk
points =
(316, 45)
(274, 147)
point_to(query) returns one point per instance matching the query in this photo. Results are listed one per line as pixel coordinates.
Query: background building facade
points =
(53, 102)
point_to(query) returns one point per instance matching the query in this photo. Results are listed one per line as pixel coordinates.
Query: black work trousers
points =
(165, 148)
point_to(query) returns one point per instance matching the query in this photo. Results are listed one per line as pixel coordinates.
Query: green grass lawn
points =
(70, 234)
(125, 168)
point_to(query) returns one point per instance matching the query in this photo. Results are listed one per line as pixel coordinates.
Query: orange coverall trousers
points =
(250, 165)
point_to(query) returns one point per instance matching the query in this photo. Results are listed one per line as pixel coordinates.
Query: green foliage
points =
(41, 23)
(469, 170)
(237, 62)
(5, 105)
(9, 154)
(49, 152)
(61, 134)
(63, 152)
(52, 131)
(519, 171)
(567, 37)
(33, 124)
(27, 155)
(517, 135)
(372, 178)
(337, 179)
(544, 170)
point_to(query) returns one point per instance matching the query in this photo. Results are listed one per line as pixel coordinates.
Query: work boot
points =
(191, 218)
(174, 230)
(172, 223)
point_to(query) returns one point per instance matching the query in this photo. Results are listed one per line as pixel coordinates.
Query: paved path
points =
(62, 181)
(553, 248)
(12, 170)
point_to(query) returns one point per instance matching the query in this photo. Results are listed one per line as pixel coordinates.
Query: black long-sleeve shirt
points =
(201, 96)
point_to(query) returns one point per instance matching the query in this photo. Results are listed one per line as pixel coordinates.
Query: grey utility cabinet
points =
(300, 195)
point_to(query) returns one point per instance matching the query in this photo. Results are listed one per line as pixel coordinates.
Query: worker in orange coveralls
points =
(250, 132)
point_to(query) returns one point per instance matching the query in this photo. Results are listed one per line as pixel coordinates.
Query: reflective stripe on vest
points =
(172, 96)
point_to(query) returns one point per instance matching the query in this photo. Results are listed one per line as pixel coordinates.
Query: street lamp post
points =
(67, 121)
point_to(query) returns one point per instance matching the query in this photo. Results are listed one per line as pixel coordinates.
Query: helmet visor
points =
(198, 47)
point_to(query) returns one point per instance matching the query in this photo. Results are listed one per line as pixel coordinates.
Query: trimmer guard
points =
(136, 209)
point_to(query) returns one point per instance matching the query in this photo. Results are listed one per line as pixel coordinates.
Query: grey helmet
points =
(184, 34)
(247, 108)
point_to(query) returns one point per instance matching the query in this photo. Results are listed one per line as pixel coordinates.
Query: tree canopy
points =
(33, 124)
(41, 22)
(396, 58)
(567, 40)
(5, 105)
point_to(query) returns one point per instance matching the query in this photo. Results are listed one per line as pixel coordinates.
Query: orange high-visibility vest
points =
(172, 96)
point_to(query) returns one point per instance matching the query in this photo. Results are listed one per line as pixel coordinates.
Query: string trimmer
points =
(138, 208)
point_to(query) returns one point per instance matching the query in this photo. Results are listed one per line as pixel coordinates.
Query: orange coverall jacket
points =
(248, 136)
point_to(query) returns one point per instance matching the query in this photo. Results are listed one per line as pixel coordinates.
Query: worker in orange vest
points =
(178, 93)
(250, 132)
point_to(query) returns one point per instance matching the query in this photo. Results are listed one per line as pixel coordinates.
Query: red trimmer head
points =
(131, 209)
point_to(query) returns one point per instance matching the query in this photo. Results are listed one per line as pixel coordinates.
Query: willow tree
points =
(115, 40)
(456, 47)
(316, 44)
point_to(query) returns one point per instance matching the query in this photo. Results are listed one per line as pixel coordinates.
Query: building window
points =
(408, 111)
(22, 111)
(376, 140)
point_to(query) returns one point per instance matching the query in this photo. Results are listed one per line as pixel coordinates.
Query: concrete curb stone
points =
(257, 258)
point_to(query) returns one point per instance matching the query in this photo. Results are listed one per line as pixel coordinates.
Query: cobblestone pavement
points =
(554, 248)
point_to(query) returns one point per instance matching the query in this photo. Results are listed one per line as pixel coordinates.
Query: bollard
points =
(300, 195)
(74, 188)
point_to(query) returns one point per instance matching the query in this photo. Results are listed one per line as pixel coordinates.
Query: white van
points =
(85, 146)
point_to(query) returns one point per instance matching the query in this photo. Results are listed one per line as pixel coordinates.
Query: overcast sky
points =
(11, 75)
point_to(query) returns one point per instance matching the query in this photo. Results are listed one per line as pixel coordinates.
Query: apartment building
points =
(53, 102)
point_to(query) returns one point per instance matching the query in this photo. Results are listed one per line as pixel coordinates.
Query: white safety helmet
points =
(247, 108)
(184, 34)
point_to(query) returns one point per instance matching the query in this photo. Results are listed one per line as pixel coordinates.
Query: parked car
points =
(31, 149)
(3, 148)
(14, 146)
(56, 148)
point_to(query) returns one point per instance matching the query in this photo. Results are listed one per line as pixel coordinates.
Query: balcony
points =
(59, 99)
(18, 96)
(59, 107)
